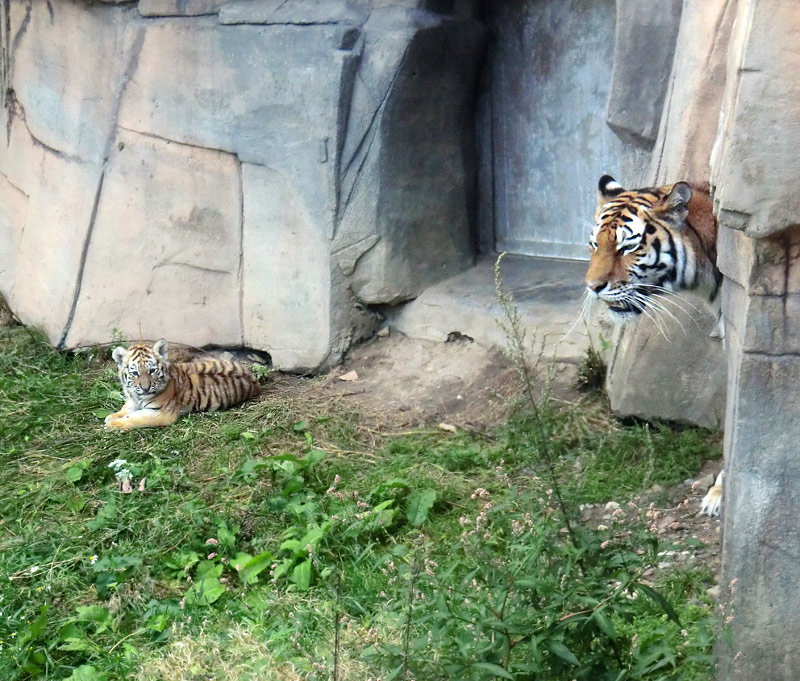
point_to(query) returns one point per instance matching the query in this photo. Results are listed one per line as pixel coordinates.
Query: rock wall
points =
(756, 172)
(236, 173)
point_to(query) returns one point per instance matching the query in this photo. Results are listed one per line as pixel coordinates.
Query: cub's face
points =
(143, 370)
(634, 256)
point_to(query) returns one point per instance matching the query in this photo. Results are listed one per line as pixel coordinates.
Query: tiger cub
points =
(648, 243)
(157, 392)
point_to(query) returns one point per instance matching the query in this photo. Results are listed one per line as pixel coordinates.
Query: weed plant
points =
(287, 540)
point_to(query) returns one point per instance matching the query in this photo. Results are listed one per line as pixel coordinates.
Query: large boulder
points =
(234, 173)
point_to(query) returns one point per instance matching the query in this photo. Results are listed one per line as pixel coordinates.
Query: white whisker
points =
(659, 307)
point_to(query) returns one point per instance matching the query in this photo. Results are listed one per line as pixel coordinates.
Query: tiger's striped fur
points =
(648, 242)
(157, 392)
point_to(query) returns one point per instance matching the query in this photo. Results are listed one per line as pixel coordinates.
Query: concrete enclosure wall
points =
(233, 173)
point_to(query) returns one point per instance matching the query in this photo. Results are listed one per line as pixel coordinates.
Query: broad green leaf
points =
(226, 537)
(86, 672)
(605, 624)
(313, 536)
(394, 483)
(292, 545)
(208, 568)
(249, 573)
(301, 575)
(314, 456)
(418, 504)
(657, 598)
(495, 669)
(205, 592)
(105, 515)
(74, 473)
(560, 650)
(283, 567)
(96, 614)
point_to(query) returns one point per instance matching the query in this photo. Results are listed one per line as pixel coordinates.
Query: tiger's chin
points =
(623, 312)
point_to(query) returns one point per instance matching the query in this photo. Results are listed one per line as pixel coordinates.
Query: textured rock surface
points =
(184, 168)
(186, 270)
(179, 8)
(404, 162)
(756, 172)
(694, 97)
(550, 74)
(755, 148)
(642, 37)
(286, 272)
(675, 373)
(688, 365)
(548, 295)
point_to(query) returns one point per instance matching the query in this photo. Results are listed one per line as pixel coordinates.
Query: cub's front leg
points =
(127, 408)
(143, 418)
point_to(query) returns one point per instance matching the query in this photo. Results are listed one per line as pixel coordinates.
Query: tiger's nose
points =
(594, 286)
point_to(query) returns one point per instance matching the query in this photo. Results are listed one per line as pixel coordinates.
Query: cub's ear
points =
(608, 188)
(119, 355)
(680, 196)
(161, 348)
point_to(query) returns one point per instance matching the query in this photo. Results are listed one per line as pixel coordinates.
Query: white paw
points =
(712, 501)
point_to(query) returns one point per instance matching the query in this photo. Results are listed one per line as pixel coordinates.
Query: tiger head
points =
(143, 370)
(638, 247)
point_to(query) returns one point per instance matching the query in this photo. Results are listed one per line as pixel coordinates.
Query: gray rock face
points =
(187, 201)
(179, 8)
(642, 37)
(747, 158)
(756, 171)
(407, 165)
(234, 172)
(675, 372)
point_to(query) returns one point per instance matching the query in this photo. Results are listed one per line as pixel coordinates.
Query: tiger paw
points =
(712, 501)
(117, 423)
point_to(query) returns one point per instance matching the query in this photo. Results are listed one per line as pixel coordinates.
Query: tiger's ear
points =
(680, 196)
(119, 355)
(608, 188)
(161, 348)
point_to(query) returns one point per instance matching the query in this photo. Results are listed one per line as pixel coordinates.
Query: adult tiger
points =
(648, 243)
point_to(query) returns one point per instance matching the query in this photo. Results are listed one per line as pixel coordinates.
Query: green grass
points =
(101, 585)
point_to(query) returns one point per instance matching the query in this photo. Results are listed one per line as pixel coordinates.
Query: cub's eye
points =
(134, 372)
(152, 370)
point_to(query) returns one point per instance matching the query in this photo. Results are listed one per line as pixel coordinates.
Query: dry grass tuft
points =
(232, 655)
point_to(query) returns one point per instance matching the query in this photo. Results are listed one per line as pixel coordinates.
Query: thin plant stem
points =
(515, 335)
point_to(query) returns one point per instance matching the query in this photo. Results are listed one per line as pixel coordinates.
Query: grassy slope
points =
(98, 577)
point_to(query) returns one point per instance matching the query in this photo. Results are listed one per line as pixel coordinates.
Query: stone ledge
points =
(548, 295)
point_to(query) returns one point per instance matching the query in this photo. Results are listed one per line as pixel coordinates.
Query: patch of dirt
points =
(411, 381)
(674, 515)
